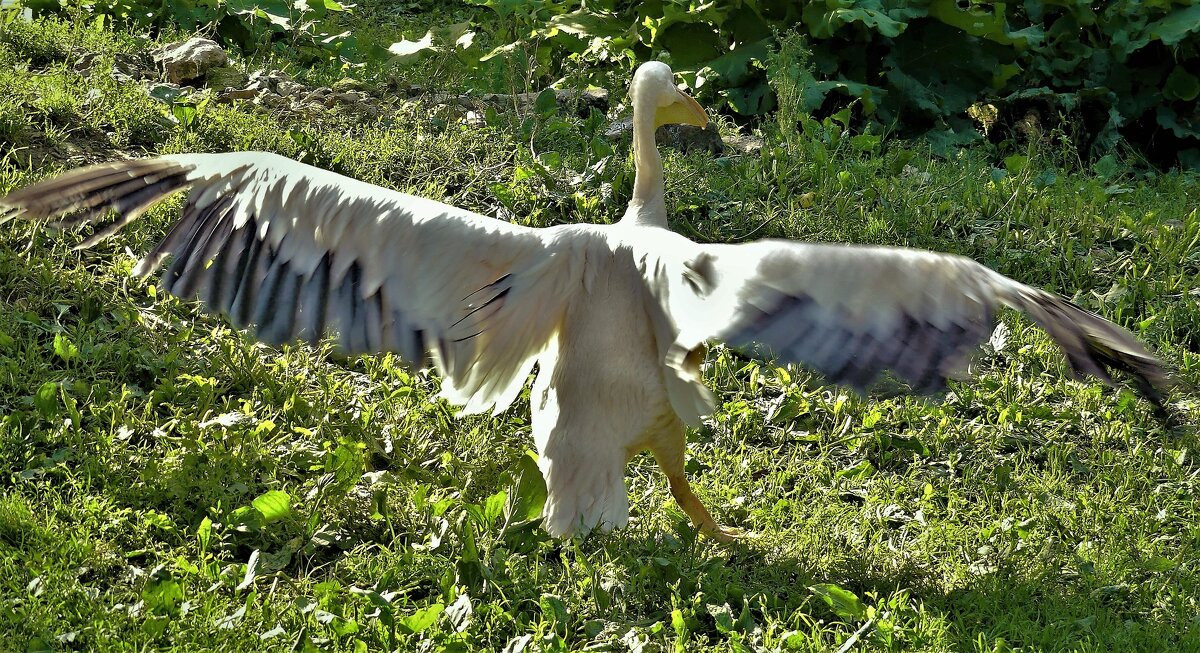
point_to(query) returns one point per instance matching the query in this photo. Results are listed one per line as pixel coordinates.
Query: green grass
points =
(148, 452)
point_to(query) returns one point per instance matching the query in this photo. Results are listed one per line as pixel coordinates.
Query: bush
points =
(945, 68)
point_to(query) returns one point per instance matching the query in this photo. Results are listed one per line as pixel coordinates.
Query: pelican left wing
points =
(851, 312)
(298, 251)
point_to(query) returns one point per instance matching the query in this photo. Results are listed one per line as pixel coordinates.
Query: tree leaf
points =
(546, 102)
(734, 66)
(1176, 25)
(1182, 85)
(589, 24)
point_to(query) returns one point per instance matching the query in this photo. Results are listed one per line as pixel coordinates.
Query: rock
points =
(687, 138)
(223, 77)
(347, 97)
(191, 59)
(618, 129)
(684, 138)
(744, 144)
(271, 101)
(317, 95)
(287, 87)
(126, 67)
(231, 94)
(348, 84)
(581, 103)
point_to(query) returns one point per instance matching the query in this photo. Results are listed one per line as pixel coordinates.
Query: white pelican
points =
(615, 316)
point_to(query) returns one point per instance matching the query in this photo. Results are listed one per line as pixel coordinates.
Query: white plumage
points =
(616, 317)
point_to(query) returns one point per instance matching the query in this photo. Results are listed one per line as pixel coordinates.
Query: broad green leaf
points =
(734, 66)
(163, 597)
(1182, 85)
(546, 102)
(1176, 25)
(814, 95)
(64, 348)
(554, 612)
(204, 534)
(588, 24)
(276, 13)
(273, 505)
(46, 400)
(989, 25)
(1182, 126)
(723, 618)
(507, 8)
(527, 496)
(184, 113)
(1016, 163)
(1045, 178)
(751, 99)
(1106, 167)
(945, 142)
(862, 469)
(690, 44)
(343, 626)
(845, 603)
(865, 142)
(1159, 564)
(421, 619)
(873, 18)
(494, 506)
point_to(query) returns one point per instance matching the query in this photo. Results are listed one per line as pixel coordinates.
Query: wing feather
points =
(296, 251)
(852, 312)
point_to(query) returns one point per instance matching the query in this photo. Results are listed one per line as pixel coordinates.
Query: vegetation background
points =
(169, 484)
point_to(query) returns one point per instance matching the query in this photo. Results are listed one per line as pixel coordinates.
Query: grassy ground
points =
(168, 484)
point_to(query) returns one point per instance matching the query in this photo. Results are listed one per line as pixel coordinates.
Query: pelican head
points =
(653, 89)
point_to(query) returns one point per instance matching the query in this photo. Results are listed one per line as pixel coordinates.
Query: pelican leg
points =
(668, 450)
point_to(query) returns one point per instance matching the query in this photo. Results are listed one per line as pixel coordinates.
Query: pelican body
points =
(616, 317)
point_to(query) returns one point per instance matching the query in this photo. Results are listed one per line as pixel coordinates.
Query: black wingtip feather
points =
(1093, 345)
(121, 185)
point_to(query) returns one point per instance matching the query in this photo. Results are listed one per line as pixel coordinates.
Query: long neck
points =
(648, 205)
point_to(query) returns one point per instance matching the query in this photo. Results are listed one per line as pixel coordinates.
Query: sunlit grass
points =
(150, 453)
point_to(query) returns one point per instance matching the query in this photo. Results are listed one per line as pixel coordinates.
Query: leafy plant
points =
(1124, 70)
(307, 28)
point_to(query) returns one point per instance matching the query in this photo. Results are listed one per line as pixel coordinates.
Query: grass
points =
(170, 484)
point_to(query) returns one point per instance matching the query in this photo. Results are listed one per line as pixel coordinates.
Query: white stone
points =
(190, 59)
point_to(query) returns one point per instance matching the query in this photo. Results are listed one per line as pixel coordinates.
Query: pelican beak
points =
(684, 110)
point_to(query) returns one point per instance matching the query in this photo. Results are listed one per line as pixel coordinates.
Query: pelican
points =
(616, 317)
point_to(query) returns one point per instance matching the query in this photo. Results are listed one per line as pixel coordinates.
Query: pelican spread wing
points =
(298, 252)
(851, 312)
